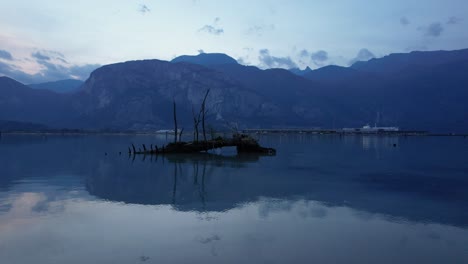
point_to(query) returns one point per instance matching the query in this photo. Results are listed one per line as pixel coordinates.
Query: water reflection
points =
(209, 182)
(321, 199)
(185, 181)
(268, 230)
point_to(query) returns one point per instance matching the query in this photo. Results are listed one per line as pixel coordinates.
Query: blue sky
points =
(53, 39)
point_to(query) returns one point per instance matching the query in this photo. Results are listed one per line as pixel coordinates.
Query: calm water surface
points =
(322, 199)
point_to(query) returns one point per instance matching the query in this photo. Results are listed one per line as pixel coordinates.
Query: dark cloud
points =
(433, 30)
(40, 56)
(404, 21)
(48, 55)
(275, 62)
(62, 60)
(304, 54)
(319, 57)
(213, 29)
(144, 9)
(259, 30)
(437, 28)
(54, 71)
(363, 55)
(453, 20)
(5, 55)
(59, 72)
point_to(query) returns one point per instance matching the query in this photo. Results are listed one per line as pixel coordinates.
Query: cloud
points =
(363, 55)
(453, 20)
(319, 57)
(246, 58)
(213, 29)
(47, 55)
(53, 67)
(39, 56)
(13, 72)
(51, 72)
(259, 30)
(200, 51)
(275, 62)
(242, 60)
(404, 21)
(304, 54)
(144, 9)
(5, 55)
(433, 30)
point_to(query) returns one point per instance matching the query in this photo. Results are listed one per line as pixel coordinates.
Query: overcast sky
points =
(44, 40)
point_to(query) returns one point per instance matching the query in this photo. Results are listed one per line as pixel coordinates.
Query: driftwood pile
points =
(243, 143)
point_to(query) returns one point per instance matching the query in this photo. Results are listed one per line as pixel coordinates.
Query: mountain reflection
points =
(207, 182)
(421, 180)
(186, 181)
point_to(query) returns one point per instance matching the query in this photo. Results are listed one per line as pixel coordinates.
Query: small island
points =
(243, 143)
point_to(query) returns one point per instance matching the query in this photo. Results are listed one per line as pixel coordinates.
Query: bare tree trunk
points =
(196, 121)
(203, 123)
(180, 134)
(175, 123)
(203, 112)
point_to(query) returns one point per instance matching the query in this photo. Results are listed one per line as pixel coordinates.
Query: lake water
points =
(321, 199)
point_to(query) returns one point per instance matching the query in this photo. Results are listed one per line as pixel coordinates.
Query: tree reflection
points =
(149, 179)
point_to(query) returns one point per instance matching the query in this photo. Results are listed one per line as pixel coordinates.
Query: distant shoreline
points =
(258, 132)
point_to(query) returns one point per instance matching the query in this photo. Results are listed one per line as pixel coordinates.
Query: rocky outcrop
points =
(139, 93)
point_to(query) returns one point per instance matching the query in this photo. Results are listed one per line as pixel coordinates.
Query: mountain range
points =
(414, 91)
(62, 86)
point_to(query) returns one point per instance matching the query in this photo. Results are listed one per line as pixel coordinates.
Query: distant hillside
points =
(21, 103)
(8, 126)
(206, 59)
(332, 73)
(295, 101)
(402, 62)
(422, 98)
(63, 86)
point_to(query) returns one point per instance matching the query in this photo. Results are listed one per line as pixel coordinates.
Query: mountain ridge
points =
(61, 86)
(138, 95)
(206, 59)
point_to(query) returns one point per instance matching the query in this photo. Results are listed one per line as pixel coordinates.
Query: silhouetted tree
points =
(196, 122)
(175, 122)
(201, 117)
(204, 112)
